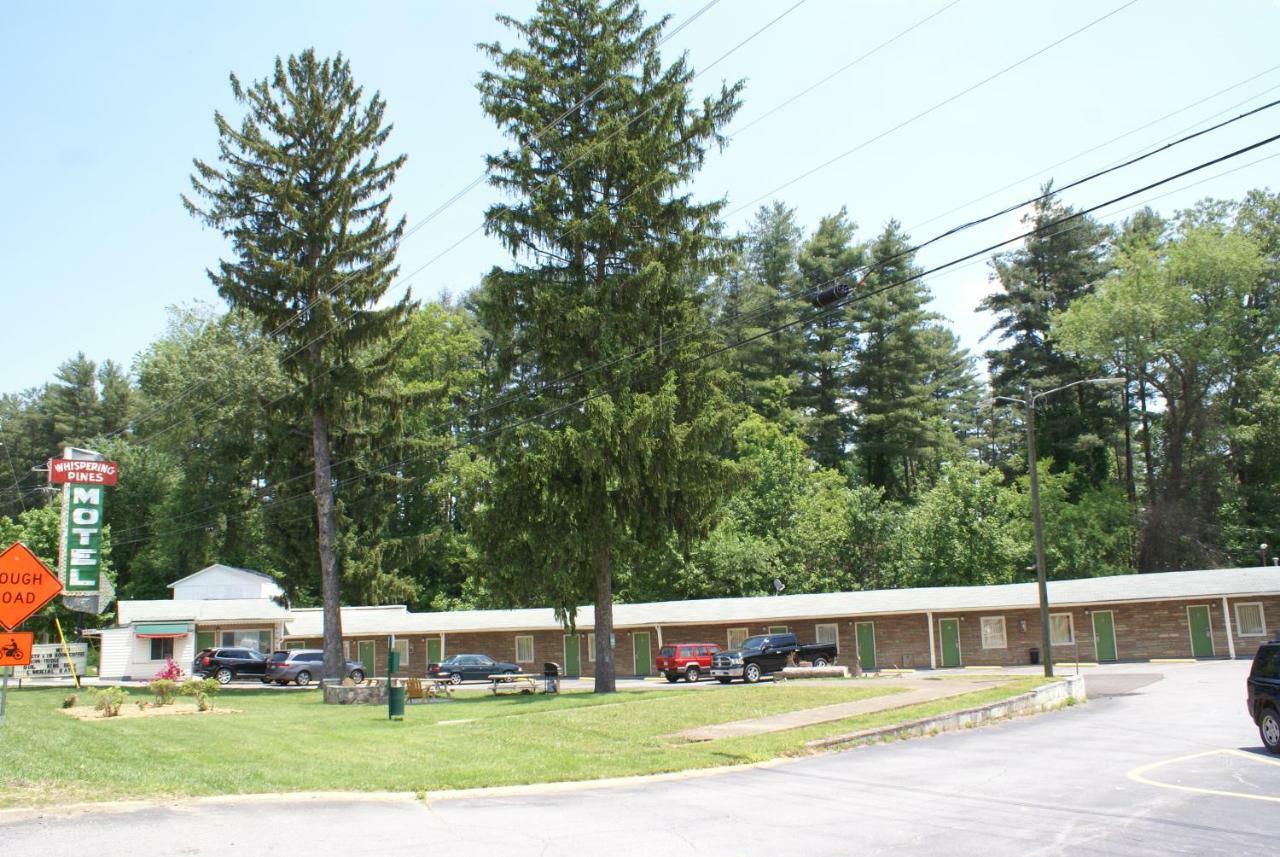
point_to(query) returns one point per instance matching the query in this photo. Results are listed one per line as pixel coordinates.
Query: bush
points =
(141, 703)
(203, 690)
(171, 671)
(70, 700)
(164, 689)
(108, 700)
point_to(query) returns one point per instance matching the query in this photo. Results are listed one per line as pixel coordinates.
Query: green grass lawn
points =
(293, 742)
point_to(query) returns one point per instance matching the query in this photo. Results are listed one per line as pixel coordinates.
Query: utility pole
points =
(1037, 525)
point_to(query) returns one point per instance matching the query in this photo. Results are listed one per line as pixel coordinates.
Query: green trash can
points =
(395, 701)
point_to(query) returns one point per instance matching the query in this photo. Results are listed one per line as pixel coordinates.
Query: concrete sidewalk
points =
(918, 691)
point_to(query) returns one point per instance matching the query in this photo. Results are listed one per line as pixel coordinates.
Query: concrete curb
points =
(1041, 699)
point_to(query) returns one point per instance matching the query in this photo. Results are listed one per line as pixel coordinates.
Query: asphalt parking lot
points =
(1162, 760)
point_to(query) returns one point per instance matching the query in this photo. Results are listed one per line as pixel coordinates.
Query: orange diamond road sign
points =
(15, 648)
(26, 585)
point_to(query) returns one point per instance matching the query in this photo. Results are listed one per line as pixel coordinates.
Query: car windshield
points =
(754, 643)
(666, 651)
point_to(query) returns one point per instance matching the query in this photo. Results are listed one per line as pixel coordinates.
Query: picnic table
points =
(429, 688)
(514, 683)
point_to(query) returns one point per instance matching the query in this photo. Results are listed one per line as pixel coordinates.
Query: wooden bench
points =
(514, 683)
(428, 688)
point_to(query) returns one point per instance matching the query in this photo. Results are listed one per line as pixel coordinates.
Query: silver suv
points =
(300, 666)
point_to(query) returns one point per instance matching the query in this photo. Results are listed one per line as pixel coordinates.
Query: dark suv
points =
(1264, 694)
(228, 663)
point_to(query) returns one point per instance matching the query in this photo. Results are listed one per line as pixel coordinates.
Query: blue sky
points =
(108, 103)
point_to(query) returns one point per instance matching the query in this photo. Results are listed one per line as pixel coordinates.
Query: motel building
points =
(1213, 613)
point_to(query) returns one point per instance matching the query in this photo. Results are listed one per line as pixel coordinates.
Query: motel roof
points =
(1165, 586)
(230, 610)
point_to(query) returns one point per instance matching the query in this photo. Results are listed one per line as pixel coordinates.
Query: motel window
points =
(777, 629)
(524, 650)
(828, 633)
(161, 648)
(993, 636)
(1062, 630)
(737, 636)
(591, 648)
(402, 646)
(1250, 621)
(247, 639)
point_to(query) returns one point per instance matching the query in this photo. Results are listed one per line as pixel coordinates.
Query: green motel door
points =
(949, 630)
(643, 656)
(1104, 635)
(434, 650)
(866, 646)
(572, 655)
(1201, 631)
(366, 649)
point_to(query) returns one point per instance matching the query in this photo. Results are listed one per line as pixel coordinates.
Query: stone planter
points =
(363, 694)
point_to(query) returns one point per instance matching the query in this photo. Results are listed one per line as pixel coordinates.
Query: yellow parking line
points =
(1138, 775)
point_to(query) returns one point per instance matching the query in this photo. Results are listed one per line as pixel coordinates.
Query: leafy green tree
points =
(612, 254)
(302, 190)
(1090, 535)
(76, 410)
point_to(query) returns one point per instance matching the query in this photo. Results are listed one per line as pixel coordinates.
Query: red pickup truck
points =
(685, 660)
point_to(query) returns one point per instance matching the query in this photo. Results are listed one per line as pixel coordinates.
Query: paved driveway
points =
(1163, 761)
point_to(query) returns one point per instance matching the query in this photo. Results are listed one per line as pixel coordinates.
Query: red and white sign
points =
(63, 470)
(26, 585)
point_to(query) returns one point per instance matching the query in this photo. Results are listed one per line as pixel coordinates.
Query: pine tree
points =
(831, 343)
(302, 192)
(895, 418)
(621, 454)
(74, 403)
(1053, 268)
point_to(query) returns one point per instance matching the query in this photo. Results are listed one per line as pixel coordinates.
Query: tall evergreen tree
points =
(830, 254)
(1054, 267)
(302, 191)
(622, 452)
(75, 407)
(896, 414)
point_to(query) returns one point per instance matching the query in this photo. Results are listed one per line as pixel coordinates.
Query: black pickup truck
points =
(766, 654)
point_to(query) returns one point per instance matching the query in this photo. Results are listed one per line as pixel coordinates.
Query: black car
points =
(229, 663)
(300, 666)
(460, 668)
(1264, 694)
(768, 654)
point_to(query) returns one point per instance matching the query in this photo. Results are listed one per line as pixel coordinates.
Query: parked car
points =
(685, 660)
(226, 664)
(460, 668)
(767, 654)
(300, 666)
(1264, 694)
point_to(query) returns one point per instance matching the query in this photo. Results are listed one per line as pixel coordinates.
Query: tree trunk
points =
(1131, 487)
(606, 676)
(1149, 475)
(330, 583)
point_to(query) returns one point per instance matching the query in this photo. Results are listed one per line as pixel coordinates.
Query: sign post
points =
(26, 585)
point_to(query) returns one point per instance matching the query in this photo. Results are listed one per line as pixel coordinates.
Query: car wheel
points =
(266, 681)
(455, 678)
(819, 661)
(224, 675)
(357, 676)
(281, 682)
(723, 680)
(692, 674)
(672, 677)
(302, 679)
(1269, 729)
(751, 673)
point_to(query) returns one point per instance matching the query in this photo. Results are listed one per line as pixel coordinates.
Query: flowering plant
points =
(171, 671)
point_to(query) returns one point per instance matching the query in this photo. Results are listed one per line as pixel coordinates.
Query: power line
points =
(944, 102)
(802, 320)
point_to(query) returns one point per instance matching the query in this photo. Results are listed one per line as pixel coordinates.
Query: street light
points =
(1029, 403)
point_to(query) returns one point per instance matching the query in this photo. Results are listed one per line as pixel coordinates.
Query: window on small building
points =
(1250, 621)
(402, 646)
(777, 629)
(1062, 630)
(591, 648)
(737, 636)
(161, 648)
(828, 633)
(993, 636)
(524, 649)
(250, 638)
